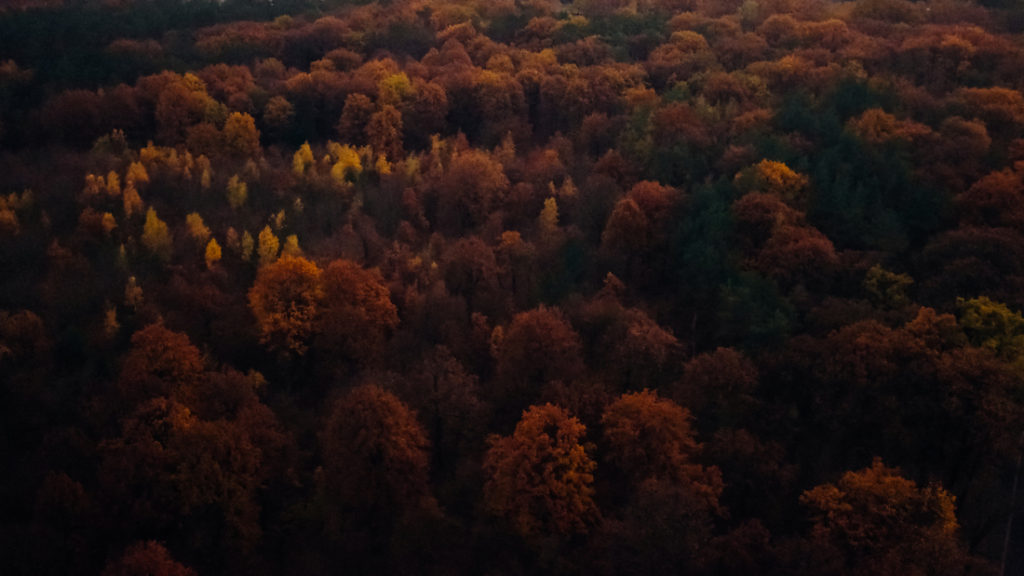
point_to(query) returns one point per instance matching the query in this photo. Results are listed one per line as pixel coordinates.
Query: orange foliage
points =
(540, 478)
(285, 299)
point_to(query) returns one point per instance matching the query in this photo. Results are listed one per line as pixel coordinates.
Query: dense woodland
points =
(504, 287)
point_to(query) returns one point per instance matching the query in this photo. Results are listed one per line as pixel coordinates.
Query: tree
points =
(548, 219)
(160, 363)
(146, 559)
(268, 246)
(997, 199)
(347, 164)
(993, 326)
(540, 478)
(384, 132)
(354, 119)
(171, 472)
(886, 524)
(213, 253)
(357, 313)
(719, 386)
(375, 455)
(538, 347)
(278, 115)
(638, 227)
(302, 159)
(197, 229)
(238, 192)
(285, 299)
(651, 438)
(241, 138)
(446, 396)
(156, 236)
(472, 187)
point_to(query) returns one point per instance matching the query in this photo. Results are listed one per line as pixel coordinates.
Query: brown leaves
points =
(540, 478)
(875, 515)
(375, 453)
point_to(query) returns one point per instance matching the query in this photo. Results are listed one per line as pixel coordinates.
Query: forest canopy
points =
(512, 287)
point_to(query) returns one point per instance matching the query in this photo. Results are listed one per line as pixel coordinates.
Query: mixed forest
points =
(512, 287)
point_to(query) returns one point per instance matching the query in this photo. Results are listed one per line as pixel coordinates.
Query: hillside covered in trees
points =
(512, 287)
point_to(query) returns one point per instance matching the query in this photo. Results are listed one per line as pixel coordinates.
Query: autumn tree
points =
(241, 138)
(197, 229)
(651, 438)
(357, 314)
(159, 363)
(355, 117)
(156, 236)
(146, 559)
(268, 246)
(777, 179)
(212, 253)
(447, 397)
(471, 188)
(538, 347)
(884, 523)
(540, 478)
(384, 132)
(286, 300)
(375, 455)
(719, 385)
(237, 191)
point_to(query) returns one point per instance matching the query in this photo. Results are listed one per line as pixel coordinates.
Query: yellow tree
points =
(156, 236)
(241, 138)
(238, 192)
(302, 159)
(213, 253)
(268, 246)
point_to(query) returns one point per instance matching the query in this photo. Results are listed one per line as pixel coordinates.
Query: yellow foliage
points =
(395, 88)
(548, 220)
(777, 178)
(993, 325)
(241, 137)
(291, 246)
(131, 200)
(133, 294)
(238, 192)
(136, 175)
(268, 246)
(347, 164)
(247, 246)
(113, 185)
(382, 166)
(302, 159)
(156, 237)
(213, 253)
(108, 222)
